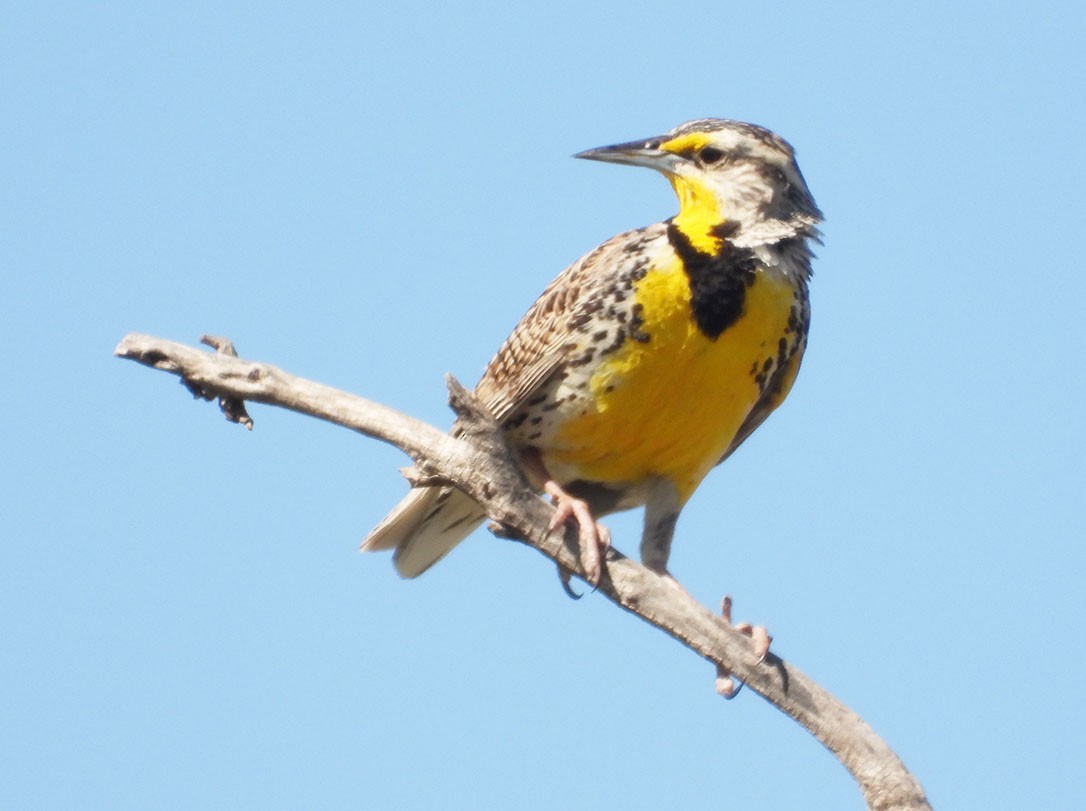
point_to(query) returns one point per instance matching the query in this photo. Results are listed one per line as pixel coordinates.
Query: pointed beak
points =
(645, 152)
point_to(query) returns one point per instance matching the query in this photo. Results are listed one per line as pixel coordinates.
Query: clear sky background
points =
(371, 196)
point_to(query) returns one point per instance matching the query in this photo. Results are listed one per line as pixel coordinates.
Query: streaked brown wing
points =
(546, 335)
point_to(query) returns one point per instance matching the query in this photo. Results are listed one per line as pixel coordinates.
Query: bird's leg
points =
(725, 684)
(595, 539)
(661, 512)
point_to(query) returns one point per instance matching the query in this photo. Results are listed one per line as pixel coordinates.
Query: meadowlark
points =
(651, 359)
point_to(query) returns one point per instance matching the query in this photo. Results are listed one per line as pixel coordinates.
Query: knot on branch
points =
(475, 423)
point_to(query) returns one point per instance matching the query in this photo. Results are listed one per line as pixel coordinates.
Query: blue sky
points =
(371, 197)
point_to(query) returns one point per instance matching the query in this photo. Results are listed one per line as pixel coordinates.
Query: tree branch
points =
(479, 463)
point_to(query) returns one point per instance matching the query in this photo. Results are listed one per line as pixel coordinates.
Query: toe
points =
(760, 638)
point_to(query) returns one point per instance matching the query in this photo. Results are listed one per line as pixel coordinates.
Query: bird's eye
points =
(652, 144)
(710, 154)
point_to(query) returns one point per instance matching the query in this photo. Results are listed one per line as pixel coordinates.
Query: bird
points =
(651, 359)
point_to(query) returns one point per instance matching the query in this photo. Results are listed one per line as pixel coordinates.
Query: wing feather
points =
(546, 336)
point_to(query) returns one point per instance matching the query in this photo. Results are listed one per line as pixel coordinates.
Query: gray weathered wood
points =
(478, 462)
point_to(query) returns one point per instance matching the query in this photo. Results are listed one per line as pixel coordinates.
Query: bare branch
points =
(479, 463)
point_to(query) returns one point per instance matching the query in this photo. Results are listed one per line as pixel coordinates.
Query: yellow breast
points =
(672, 405)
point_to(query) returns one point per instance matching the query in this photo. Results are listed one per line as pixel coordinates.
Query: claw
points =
(564, 576)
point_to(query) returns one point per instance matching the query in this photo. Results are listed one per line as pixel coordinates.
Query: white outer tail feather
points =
(424, 527)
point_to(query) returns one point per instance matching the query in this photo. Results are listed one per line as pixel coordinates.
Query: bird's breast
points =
(670, 398)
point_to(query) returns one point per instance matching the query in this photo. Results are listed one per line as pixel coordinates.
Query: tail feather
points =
(424, 527)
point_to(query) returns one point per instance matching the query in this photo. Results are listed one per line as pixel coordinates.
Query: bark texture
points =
(478, 462)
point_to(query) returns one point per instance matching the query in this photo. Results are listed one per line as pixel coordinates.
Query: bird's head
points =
(731, 178)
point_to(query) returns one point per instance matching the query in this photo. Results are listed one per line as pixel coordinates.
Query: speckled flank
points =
(791, 344)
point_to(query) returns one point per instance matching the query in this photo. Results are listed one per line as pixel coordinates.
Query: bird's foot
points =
(725, 684)
(595, 538)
